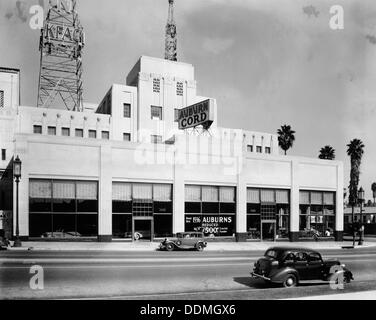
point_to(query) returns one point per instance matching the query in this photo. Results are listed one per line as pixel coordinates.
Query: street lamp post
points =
(17, 175)
(361, 199)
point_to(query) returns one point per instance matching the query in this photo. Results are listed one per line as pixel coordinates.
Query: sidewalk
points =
(152, 246)
(363, 295)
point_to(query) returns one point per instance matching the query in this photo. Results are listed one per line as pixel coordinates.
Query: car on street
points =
(288, 266)
(61, 234)
(184, 240)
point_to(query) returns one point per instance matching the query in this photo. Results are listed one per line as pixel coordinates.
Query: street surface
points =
(164, 275)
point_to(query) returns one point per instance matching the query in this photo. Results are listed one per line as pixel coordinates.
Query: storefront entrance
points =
(143, 228)
(268, 230)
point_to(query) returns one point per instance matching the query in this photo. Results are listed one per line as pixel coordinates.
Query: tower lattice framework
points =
(171, 35)
(61, 43)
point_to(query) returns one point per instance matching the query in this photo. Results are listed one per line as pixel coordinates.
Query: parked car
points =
(142, 234)
(61, 234)
(184, 240)
(289, 266)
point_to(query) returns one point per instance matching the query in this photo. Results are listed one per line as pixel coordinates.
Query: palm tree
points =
(355, 150)
(373, 188)
(286, 137)
(327, 153)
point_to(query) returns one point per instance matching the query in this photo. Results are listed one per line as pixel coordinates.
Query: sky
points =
(267, 62)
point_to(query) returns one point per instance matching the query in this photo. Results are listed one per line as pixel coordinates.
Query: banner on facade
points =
(218, 226)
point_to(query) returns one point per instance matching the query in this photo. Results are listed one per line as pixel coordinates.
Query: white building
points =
(127, 168)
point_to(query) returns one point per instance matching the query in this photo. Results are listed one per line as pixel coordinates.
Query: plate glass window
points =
(249, 148)
(1, 99)
(37, 129)
(105, 135)
(92, 134)
(3, 154)
(65, 132)
(156, 139)
(52, 131)
(126, 136)
(156, 113)
(267, 150)
(259, 149)
(127, 110)
(79, 133)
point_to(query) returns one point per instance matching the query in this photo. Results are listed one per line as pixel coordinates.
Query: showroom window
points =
(63, 209)
(270, 206)
(153, 201)
(316, 213)
(210, 209)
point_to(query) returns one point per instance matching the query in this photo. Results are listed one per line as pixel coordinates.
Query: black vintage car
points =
(184, 240)
(289, 266)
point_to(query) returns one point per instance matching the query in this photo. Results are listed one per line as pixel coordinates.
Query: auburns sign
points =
(195, 115)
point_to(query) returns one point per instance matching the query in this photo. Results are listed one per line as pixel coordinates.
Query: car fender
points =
(280, 274)
(173, 243)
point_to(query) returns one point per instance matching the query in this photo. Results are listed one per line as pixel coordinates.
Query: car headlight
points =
(343, 265)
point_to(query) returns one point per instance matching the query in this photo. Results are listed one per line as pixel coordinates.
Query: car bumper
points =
(256, 275)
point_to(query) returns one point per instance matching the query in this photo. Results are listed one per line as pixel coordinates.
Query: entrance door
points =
(268, 231)
(142, 229)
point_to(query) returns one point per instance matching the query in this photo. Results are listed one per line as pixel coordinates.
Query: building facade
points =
(124, 168)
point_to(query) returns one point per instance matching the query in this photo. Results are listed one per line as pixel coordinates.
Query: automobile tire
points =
(200, 247)
(170, 247)
(290, 281)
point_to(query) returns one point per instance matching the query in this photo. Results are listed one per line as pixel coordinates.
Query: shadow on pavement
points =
(261, 284)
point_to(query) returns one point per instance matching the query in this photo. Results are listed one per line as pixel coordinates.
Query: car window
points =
(290, 257)
(271, 253)
(301, 256)
(314, 256)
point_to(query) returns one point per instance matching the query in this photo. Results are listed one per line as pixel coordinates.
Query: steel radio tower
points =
(61, 42)
(171, 38)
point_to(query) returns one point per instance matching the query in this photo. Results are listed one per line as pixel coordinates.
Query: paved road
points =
(163, 275)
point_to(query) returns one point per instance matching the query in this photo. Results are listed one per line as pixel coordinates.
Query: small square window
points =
(65, 132)
(267, 150)
(156, 85)
(37, 129)
(126, 110)
(126, 136)
(259, 149)
(249, 148)
(105, 135)
(93, 134)
(79, 133)
(176, 115)
(3, 154)
(156, 113)
(1, 99)
(156, 139)
(52, 131)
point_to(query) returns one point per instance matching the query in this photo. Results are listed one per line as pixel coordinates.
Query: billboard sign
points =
(196, 115)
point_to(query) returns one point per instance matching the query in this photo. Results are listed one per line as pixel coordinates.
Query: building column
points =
(338, 233)
(241, 201)
(105, 195)
(21, 150)
(294, 201)
(178, 218)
